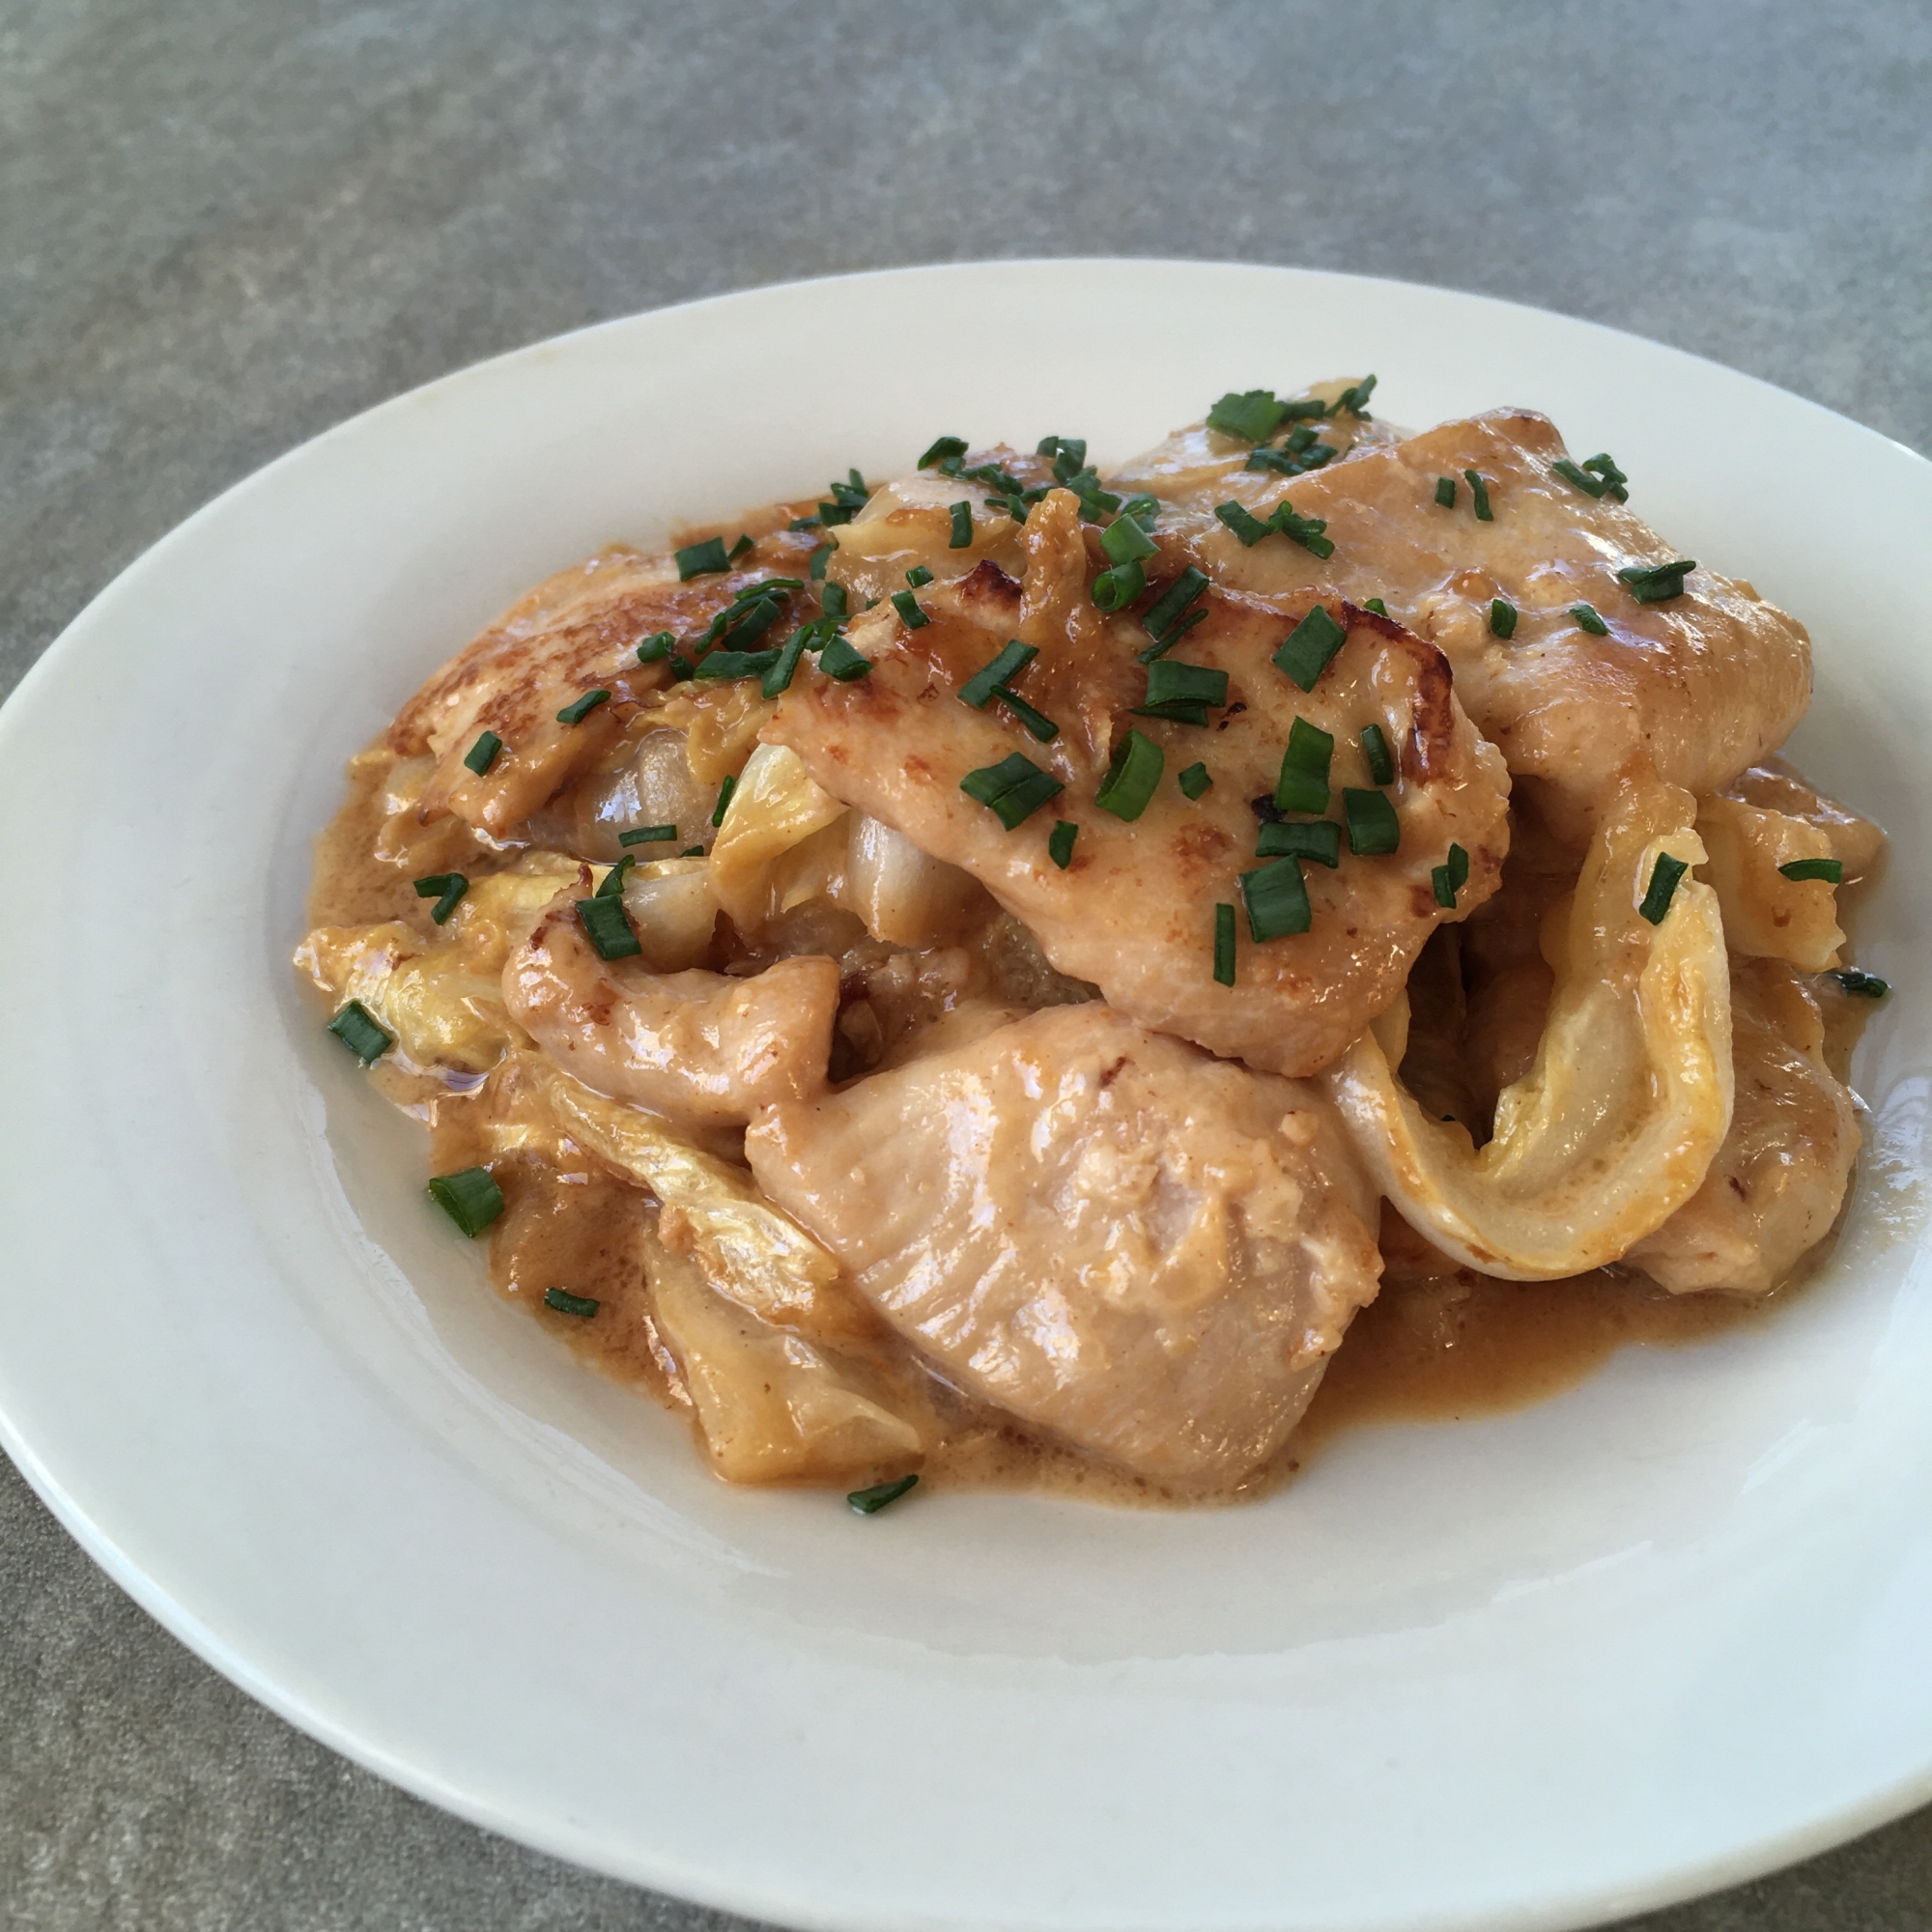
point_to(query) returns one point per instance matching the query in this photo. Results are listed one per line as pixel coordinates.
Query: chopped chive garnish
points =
(737, 663)
(780, 673)
(680, 667)
(1169, 682)
(1449, 879)
(870, 1502)
(1831, 870)
(1115, 589)
(611, 886)
(1124, 540)
(1060, 842)
(797, 523)
(1293, 409)
(1224, 946)
(1166, 609)
(1579, 479)
(702, 560)
(1375, 605)
(1194, 780)
(840, 660)
(1131, 776)
(482, 755)
(919, 577)
(1588, 619)
(1253, 414)
(1479, 490)
(738, 549)
(1502, 618)
(565, 1303)
(608, 928)
(1303, 784)
(983, 686)
(834, 601)
(910, 615)
(648, 835)
(1656, 583)
(1446, 492)
(1864, 986)
(1068, 454)
(691, 852)
(1276, 900)
(1013, 789)
(943, 447)
(446, 889)
(1171, 637)
(1143, 510)
(815, 564)
(1310, 648)
(1354, 396)
(1319, 839)
(1376, 748)
(361, 1033)
(1243, 522)
(962, 526)
(469, 1197)
(656, 647)
(1373, 824)
(1664, 879)
(724, 803)
(1614, 479)
(1037, 722)
(1304, 530)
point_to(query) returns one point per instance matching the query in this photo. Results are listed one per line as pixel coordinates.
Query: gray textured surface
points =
(225, 226)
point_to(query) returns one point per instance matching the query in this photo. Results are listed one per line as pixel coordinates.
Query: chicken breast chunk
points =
(1145, 1251)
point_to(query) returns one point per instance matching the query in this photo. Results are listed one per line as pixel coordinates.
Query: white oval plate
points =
(1658, 1634)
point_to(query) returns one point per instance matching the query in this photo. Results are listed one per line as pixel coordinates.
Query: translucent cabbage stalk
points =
(775, 806)
(905, 895)
(1628, 1098)
(672, 911)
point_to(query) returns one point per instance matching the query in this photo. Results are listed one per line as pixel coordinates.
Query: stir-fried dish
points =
(986, 974)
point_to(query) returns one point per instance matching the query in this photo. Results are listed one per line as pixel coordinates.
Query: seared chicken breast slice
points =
(1145, 1251)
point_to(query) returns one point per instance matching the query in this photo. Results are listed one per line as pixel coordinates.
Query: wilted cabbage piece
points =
(1614, 1126)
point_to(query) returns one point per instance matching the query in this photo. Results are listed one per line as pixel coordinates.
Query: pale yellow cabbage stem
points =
(1630, 1095)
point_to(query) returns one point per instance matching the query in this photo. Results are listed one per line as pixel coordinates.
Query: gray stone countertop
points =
(227, 224)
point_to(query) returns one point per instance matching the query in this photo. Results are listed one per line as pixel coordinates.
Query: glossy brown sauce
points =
(1438, 1343)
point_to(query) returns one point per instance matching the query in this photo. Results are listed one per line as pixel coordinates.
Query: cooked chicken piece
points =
(1778, 1179)
(1134, 912)
(1702, 684)
(576, 633)
(1148, 1252)
(695, 1046)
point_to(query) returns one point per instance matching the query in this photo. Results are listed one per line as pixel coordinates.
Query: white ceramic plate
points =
(1653, 1636)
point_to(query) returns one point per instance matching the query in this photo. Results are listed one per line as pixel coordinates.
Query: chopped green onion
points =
(919, 577)
(1303, 784)
(608, 928)
(834, 601)
(814, 565)
(1479, 490)
(361, 1033)
(680, 668)
(482, 755)
(1354, 396)
(1194, 780)
(1169, 682)
(1614, 479)
(1115, 589)
(1375, 605)
(1864, 986)
(1304, 530)
(737, 663)
(943, 447)
(1224, 946)
(1145, 511)
(840, 660)
(702, 559)
(1166, 642)
(565, 1303)
(1578, 479)
(983, 686)
(1449, 879)
(783, 666)
(1068, 454)
(1656, 583)
(1295, 409)
(446, 889)
(1319, 839)
(469, 1197)
(724, 803)
(1166, 610)
(1588, 619)
(1124, 540)
(738, 549)
(806, 523)
(611, 886)
(1276, 900)
(870, 1502)
(648, 835)
(1253, 414)
(1037, 722)
(1446, 492)
(1060, 842)
(1243, 522)
(1013, 789)
(1831, 870)
(1131, 776)
(1310, 648)
(910, 615)
(1664, 879)
(656, 647)
(1502, 618)
(691, 852)
(1375, 750)
(961, 538)
(1373, 824)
